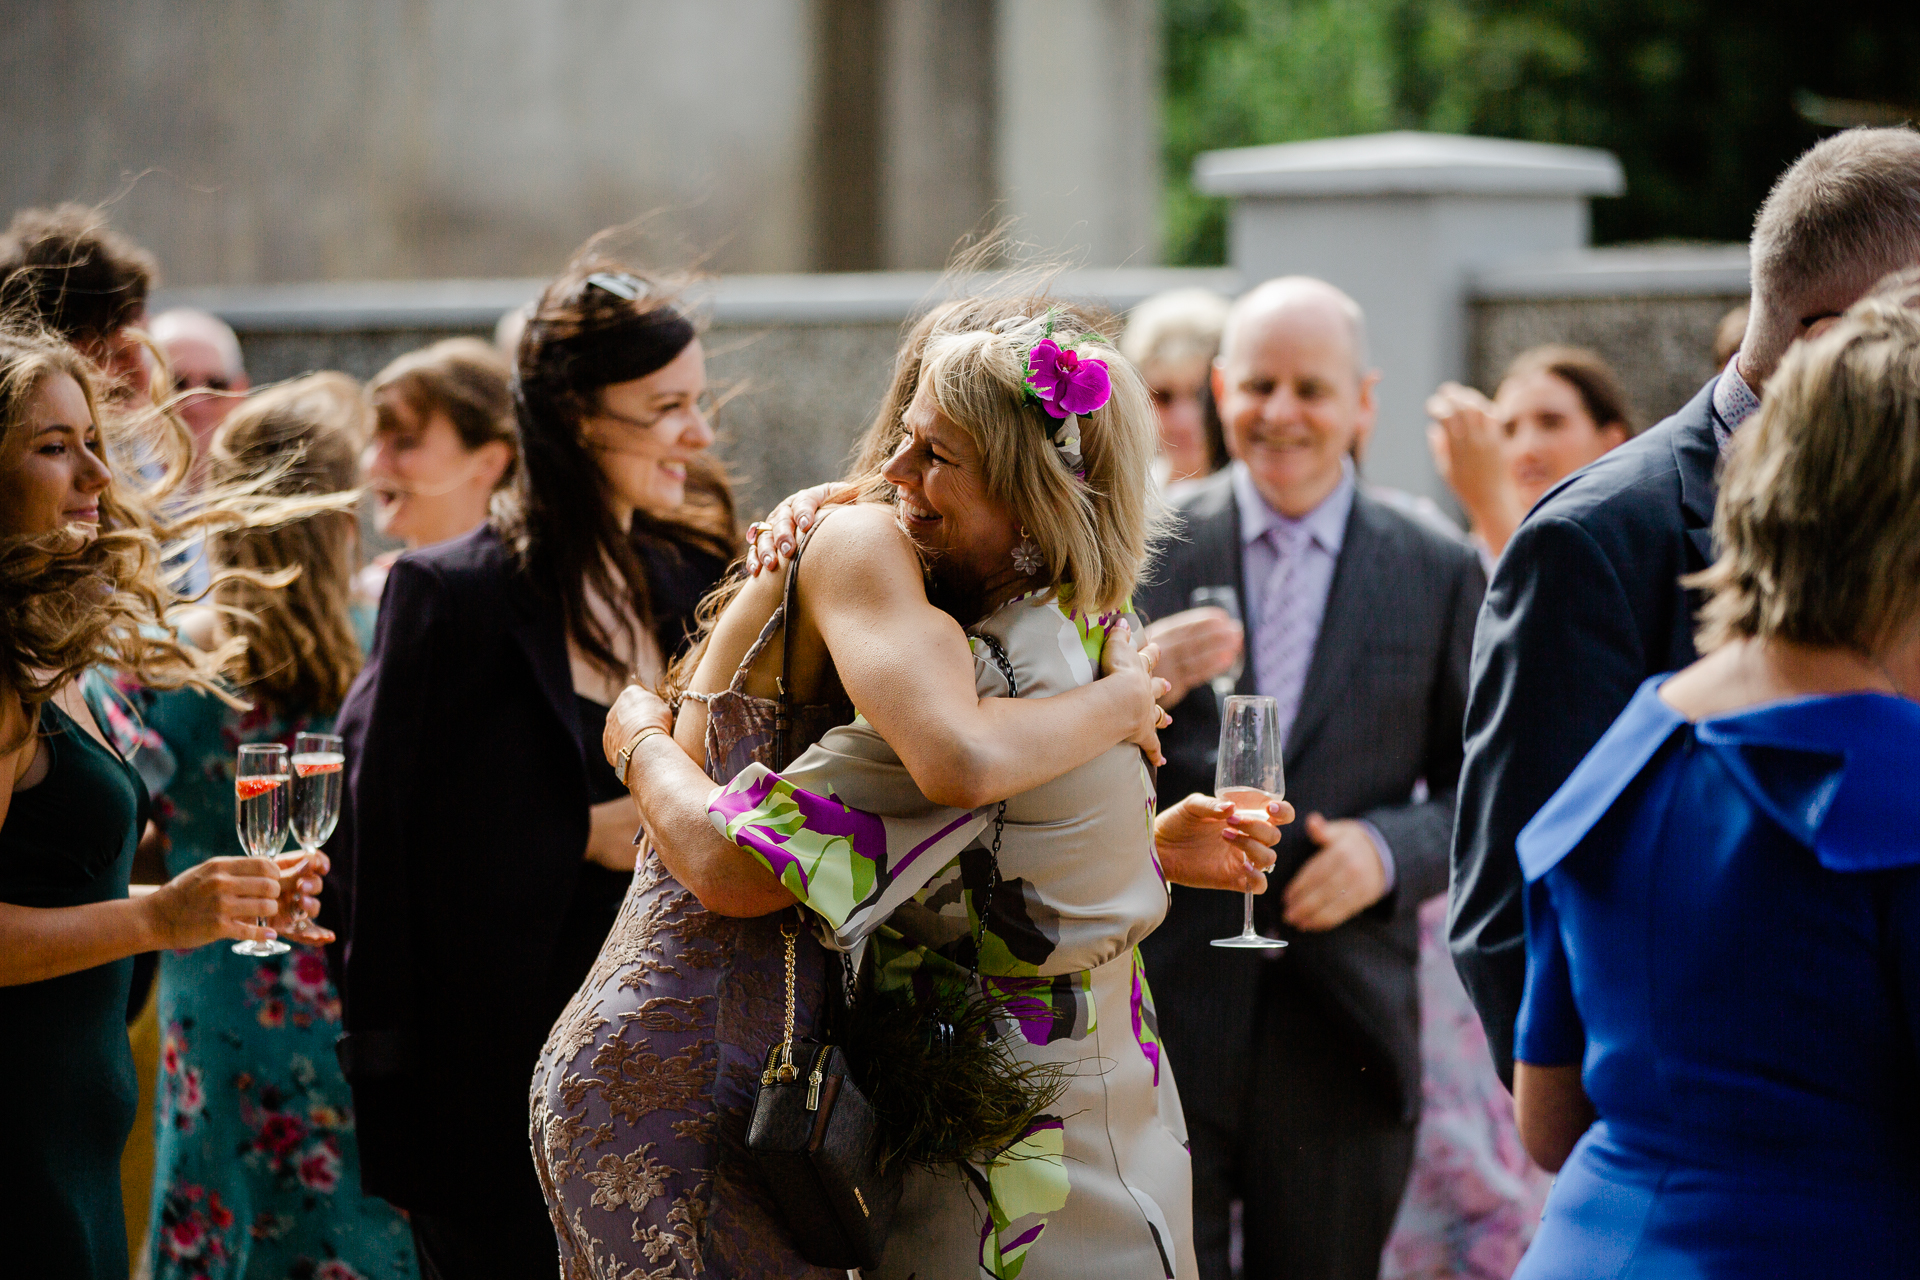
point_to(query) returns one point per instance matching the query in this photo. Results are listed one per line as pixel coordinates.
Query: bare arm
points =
(219, 898)
(671, 790)
(1552, 1111)
(907, 666)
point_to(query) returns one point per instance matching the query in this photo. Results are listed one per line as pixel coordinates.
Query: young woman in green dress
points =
(80, 587)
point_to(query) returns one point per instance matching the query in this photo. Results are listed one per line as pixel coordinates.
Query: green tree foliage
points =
(1704, 101)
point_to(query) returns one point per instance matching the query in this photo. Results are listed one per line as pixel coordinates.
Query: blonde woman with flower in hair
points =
(993, 526)
(252, 1116)
(80, 587)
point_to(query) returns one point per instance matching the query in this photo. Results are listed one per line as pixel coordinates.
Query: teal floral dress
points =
(256, 1172)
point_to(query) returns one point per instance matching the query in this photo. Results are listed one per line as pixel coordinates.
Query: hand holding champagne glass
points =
(260, 816)
(1227, 600)
(1249, 774)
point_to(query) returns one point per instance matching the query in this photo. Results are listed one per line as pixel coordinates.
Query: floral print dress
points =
(1103, 1187)
(255, 1165)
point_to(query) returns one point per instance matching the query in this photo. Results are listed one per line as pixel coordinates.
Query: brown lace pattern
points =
(640, 1103)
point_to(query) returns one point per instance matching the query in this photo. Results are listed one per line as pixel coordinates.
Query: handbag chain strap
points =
(1000, 660)
(780, 1066)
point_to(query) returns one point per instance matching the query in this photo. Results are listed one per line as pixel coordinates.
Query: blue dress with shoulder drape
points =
(1723, 929)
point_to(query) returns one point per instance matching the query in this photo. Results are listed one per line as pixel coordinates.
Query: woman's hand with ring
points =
(771, 542)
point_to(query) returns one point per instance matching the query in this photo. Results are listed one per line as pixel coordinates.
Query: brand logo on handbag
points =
(863, 1202)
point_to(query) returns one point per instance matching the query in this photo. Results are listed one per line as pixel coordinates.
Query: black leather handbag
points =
(818, 1146)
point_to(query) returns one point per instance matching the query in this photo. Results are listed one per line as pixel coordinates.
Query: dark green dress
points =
(67, 1088)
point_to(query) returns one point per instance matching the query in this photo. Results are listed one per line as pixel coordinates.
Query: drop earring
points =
(1026, 554)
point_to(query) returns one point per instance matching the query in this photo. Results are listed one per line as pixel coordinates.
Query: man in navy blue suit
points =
(1586, 602)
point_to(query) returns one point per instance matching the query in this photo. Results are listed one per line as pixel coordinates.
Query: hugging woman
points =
(485, 842)
(1013, 529)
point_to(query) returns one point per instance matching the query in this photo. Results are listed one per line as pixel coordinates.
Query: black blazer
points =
(1586, 604)
(460, 848)
(1379, 712)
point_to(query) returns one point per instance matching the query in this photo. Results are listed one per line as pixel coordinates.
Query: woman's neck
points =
(1750, 673)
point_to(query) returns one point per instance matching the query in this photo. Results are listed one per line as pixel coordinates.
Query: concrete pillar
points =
(1400, 221)
(936, 172)
(1077, 134)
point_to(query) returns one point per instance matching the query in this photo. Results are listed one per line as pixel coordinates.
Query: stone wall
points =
(1661, 347)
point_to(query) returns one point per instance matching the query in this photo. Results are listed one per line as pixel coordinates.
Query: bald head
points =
(204, 355)
(1294, 391)
(208, 335)
(1303, 298)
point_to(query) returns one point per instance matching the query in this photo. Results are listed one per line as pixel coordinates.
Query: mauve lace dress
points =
(641, 1098)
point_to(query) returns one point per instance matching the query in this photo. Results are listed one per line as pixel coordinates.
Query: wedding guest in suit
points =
(1718, 1034)
(486, 840)
(1305, 1068)
(1587, 601)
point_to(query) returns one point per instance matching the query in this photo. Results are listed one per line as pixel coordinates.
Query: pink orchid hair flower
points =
(1064, 382)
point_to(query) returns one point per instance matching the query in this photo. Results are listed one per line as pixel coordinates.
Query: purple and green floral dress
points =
(1102, 1186)
(255, 1170)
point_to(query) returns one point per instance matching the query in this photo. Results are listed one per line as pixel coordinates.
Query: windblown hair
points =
(1601, 392)
(1094, 533)
(1848, 209)
(299, 439)
(1819, 516)
(581, 339)
(73, 599)
(72, 273)
(465, 379)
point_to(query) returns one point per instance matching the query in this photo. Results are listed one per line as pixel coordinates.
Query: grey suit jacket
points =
(1380, 711)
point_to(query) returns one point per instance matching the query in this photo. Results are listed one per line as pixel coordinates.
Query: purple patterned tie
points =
(1283, 644)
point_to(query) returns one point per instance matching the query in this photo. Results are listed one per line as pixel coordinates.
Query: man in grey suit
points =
(1300, 1073)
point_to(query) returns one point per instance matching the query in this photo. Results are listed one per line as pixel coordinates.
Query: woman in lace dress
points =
(641, 1036)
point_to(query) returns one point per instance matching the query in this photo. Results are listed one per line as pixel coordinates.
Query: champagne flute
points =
(1249, 775)
(260, 815)
(319, 776)
(1228, 599)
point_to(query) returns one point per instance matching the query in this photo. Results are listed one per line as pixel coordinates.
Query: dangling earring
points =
(1026, 554)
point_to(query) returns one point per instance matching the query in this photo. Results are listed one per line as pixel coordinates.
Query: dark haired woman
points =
(80, 587)
(488, 840)
(256, 1161)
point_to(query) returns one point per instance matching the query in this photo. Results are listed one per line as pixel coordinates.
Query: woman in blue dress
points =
(255, 1156)
(1720, 1036)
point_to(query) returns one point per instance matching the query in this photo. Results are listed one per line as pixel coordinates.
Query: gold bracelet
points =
(624, 760)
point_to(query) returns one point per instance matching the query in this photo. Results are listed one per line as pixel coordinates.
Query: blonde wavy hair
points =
(1818, 521)
(299, 439)
(75, 598)
(1094, 532)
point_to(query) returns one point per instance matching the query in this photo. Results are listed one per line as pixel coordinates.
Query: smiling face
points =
(427, 485)
(1292, 398)
(941, 500)
(52, 473)
(645, 432)
(1548, 433)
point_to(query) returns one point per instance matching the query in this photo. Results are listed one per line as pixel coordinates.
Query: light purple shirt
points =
(1325, 528)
